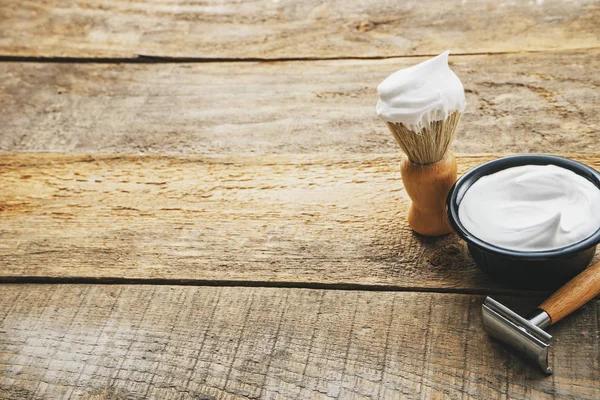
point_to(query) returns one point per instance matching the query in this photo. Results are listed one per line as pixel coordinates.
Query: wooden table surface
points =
(197, 200)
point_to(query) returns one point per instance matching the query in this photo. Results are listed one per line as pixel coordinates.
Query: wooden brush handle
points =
(574, 294)
(428, 185)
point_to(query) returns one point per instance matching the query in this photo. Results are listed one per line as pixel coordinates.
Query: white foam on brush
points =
(421, 94)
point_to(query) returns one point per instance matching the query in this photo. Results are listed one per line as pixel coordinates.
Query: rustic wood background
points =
(197, 200)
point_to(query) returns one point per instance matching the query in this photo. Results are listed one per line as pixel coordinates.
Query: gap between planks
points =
(152, 59)
(50, 280)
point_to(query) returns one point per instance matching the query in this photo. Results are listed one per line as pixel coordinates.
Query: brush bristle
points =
(429, 145)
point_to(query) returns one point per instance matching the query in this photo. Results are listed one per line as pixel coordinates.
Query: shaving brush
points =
(428, 171)
(421, 106)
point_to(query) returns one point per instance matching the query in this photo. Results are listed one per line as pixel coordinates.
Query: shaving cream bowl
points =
(524, 268)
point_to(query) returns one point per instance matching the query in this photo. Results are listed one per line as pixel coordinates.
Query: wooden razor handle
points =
(427, 186)
(574, 294)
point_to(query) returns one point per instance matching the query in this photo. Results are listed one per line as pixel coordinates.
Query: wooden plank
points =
(291, 28)
(137, 342)
(295, 220)
(516, 103)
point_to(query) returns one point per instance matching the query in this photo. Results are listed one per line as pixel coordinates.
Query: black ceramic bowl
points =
(534, 269)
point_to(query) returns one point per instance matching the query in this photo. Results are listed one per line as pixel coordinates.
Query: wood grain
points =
(574, 294)
(281, 220)
(134, 342)
(291, 28)
(428, 187)
(516, 103)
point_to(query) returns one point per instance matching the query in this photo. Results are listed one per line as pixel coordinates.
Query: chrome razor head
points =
(517, 332)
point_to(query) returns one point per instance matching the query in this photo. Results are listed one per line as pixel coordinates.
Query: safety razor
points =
(527, 336)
